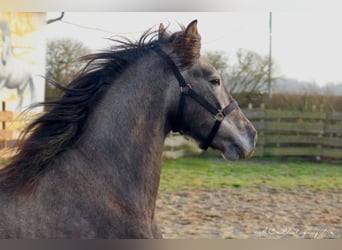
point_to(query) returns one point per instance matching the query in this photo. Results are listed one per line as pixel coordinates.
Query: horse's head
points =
(6, 41)
(206, 111)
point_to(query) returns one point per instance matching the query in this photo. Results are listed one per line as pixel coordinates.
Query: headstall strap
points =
(186, 90)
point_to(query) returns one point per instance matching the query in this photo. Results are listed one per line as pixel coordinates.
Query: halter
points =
(186, 90)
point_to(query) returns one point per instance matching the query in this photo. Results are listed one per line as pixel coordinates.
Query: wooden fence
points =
(286, 133)
(291, 133)
(5, 133)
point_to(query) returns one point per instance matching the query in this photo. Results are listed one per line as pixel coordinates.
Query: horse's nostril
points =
(255, 137)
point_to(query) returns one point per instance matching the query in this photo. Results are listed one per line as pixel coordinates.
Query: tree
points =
(249, 73)
(62, 63)
(247, 76)
(219, 60)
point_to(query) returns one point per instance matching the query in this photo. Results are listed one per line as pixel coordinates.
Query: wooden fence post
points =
(4, 142)
(3, 109)
(5, 134)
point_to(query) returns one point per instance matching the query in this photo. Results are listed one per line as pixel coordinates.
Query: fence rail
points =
(293, 133)
(287, 133)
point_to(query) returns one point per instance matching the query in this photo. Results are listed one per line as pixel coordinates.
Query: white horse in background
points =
(14, 73)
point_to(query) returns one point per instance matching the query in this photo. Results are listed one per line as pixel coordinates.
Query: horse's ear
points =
(191, 31)
(191, 37)
(191, 43)
(186, 45)
(163, 34)
(161, 31)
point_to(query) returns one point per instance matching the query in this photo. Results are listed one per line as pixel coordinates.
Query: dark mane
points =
(59, 128)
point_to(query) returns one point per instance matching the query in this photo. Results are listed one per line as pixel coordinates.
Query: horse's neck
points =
(7, 48)
(123, 143)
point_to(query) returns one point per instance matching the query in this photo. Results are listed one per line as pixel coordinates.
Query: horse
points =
(90, 166)
(14, 73)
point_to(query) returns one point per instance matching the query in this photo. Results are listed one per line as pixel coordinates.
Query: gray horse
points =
(90, 167)
(14, 73)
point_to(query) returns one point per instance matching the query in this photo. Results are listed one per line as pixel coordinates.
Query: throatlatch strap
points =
(179, 115)
(204, 145)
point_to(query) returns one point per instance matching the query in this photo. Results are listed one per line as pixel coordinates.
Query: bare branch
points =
(56, 19)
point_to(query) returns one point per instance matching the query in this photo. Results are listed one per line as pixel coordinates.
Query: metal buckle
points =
(219, 116)
(185, 89)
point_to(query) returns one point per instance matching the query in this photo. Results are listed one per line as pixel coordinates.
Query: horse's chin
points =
(234, 153)
(231, 156)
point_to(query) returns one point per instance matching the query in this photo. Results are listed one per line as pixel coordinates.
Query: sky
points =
(306, 45)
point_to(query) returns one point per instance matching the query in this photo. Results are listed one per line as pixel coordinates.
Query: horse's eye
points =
(215, 82)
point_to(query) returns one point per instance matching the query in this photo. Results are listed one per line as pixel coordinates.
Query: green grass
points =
(212, 173)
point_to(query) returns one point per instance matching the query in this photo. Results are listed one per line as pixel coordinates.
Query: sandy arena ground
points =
(239, 213)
